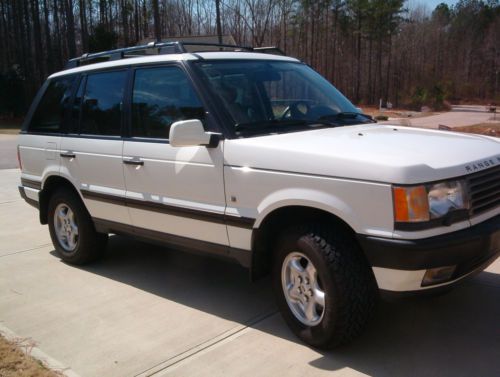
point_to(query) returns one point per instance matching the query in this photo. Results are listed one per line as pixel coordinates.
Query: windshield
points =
(274, 97)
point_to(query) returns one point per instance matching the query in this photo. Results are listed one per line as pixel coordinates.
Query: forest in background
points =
(404, 53)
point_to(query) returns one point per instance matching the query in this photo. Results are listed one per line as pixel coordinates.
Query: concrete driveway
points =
(8, 152)
(459, 116)
(145, 310)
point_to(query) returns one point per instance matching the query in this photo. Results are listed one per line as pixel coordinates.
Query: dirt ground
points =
(16, 363)
(396, 112)
(489, 129)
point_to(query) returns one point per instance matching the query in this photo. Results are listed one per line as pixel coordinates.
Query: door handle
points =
(67, 154)
(133, 161)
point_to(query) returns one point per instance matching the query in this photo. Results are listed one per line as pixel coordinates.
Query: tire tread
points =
(352, 277)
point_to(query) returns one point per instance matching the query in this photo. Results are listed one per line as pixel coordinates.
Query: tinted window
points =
(162, 96)
(77, 107)
(49, 115)
(101, 110)
(272, 96)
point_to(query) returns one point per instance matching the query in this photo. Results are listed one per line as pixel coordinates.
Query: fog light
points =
(437, 275)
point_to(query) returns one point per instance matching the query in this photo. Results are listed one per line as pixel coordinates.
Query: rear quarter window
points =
(50, 113)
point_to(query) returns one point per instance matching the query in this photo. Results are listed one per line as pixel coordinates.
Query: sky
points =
(431, 3)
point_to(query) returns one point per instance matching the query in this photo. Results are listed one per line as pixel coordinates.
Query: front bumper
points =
(400, 265)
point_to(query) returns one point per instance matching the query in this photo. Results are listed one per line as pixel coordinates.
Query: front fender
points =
(307, 198)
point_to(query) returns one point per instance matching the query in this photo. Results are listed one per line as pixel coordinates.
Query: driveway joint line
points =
(211, 343)
(26, 250)
(11, 201)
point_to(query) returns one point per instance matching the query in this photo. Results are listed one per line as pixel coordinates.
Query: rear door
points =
(91, 153)
(171, 191)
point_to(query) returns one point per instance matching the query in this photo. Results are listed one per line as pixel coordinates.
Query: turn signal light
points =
(410, 204)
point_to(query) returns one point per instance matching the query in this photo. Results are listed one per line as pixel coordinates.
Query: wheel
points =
(72, 230)
(324, 287)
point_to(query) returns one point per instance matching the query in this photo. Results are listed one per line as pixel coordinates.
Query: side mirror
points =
(190, 133)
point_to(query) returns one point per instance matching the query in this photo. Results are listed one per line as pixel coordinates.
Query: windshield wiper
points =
(277, 125)
(346, 115)
(273, 123)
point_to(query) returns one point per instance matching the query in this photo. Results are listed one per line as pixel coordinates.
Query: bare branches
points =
(370, 49)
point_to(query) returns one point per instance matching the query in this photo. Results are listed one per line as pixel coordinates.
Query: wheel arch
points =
(270, 227)
(49, 186)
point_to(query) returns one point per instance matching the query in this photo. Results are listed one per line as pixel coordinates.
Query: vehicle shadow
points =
(457, 334)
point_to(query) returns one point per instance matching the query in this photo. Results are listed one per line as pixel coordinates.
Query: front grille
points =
(484, 189)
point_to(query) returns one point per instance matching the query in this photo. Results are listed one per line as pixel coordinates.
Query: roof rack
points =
(160, 48)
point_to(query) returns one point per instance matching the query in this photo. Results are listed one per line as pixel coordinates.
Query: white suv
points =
(258, 158)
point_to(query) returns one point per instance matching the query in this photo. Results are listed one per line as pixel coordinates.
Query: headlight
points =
(446, 197)
(425, 203)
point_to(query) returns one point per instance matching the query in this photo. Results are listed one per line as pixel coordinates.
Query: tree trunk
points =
(136, 21)
(388, 78)
(157, 25)
(102, 12)
(37, 36)
(370, 58)
(334, 47)
(48, 42)
(145, 19)
(29, 64)
(124, 11)
(358, 58)
(58, 39)
(70, 26)
(83, 26)
(217, 15)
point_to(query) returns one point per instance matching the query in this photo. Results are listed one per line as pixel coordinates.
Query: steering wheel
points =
(297, 110)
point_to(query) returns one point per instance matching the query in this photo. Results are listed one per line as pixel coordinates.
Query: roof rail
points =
(269, 50)
(161, 48)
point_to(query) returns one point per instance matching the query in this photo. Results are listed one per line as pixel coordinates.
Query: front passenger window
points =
(162, 96)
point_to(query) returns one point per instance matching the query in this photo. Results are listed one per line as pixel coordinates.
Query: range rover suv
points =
(255, 157)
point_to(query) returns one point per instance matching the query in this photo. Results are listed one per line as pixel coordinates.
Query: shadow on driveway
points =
(457, 334)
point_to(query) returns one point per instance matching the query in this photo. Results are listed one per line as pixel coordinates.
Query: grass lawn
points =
(16, 363)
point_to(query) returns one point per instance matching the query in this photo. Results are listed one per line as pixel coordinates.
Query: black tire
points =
(350, 289)
(90, 245)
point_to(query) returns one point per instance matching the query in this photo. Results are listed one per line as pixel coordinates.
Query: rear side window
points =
(162, 96)
(50, 112)
(102, 104)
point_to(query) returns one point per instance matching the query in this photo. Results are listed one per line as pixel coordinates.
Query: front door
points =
(171, 192)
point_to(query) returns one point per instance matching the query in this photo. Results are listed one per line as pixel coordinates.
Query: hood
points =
(380, 153)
